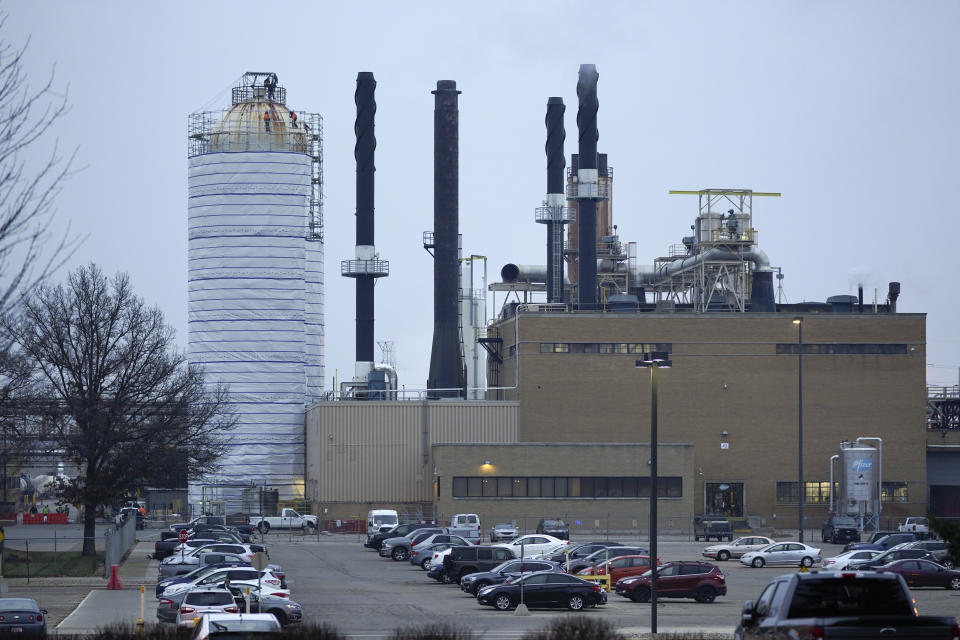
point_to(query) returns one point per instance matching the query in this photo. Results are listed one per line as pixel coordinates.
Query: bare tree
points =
(129, 398)
(27, 193)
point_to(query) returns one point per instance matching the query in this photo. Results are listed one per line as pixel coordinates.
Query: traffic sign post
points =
(259, 562)
(182, 536)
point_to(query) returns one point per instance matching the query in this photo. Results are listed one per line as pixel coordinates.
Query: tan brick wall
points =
(726, 376)
(565, 459)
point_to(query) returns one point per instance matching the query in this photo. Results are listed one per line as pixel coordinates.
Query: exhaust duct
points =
(587, 184)
(446, 361)
(556, 163)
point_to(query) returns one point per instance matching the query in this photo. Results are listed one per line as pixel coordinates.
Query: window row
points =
(865, 349)
(819, 492)
(565, 487)
(604, 347)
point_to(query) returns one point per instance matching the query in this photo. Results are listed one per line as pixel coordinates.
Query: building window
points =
(894, 492)
(554, 347)
(865, 349)
(814, 492)
(787, 492)
(565, 487)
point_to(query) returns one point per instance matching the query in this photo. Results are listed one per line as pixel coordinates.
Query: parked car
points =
(205, 519)
(200, 601)
(399, 548)
(891, 555)
(546, 589)
(375, 541)
(838, 529)
(782, 553)
(206, 559)
(620, 567)
(202, 572)
(381, 520)
(554, 527)
(883, 543)
(285, 610)
(923, 573)
(835, 604)
(701, 581)
(22, 617)
(937, 547)
(602, 555)
(423, 554)
(706, 527)
(253, 625)
(268, 581)
(843, 560)
(508, 570)
(462, 561)
(563, 551)
(288, 519)
(531, 544)
(504, 531)
(876, 535)
(466, 525)
(736, 548)
(915, 524)
(177, 564)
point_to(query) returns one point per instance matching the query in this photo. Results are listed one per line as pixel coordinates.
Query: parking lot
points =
(341, 583)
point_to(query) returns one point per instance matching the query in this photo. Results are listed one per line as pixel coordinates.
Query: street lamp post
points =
(653, 360)
(800, 487)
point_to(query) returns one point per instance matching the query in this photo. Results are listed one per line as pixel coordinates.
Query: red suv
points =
(701, 581)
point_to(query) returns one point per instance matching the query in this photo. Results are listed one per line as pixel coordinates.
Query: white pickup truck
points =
(917, 525)
(288, 519)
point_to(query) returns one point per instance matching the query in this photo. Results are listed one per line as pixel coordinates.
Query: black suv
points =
(464, 560)
(839, 529)
(556, 528)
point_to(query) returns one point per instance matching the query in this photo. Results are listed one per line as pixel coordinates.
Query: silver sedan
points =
(736, 548)
(782, 553)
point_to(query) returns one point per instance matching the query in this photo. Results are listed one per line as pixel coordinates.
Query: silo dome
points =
(244, 128)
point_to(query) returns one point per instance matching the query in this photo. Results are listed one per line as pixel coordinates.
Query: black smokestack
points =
(363, 152)
(446, 362)
(860, 298)
(586, 176)
(556, 163)
(892, 294)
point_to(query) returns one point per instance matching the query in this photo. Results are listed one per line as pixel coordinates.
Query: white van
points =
(466, 525)
(381, 520)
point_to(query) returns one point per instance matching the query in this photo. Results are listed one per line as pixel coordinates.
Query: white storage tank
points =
(859, 465)
(256, 280)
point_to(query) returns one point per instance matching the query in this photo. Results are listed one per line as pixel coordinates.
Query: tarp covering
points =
(256, 310)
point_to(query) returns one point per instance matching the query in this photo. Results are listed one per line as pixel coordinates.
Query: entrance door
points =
(724, 499)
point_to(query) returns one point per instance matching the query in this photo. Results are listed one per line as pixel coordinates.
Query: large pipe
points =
(363, 153)
(587, 183)
(556, 163)
(446, 363)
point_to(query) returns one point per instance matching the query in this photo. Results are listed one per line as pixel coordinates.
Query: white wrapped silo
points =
(256, 283)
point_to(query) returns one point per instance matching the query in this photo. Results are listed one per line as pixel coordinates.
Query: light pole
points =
(800, 488)
(653, 360)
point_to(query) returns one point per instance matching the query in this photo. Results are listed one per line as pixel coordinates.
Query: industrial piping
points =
(587, 184)
(446, 362)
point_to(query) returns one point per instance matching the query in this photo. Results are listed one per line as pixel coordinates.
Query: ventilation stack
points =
(367, 265)
(553, 213)
(588, 185)
(447, 376)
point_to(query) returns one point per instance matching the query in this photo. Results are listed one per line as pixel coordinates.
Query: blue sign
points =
(862, 464)
(578, 522)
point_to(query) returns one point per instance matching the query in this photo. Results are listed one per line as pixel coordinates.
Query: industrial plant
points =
(771, 414)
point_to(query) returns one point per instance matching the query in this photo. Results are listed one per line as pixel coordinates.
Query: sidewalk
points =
(103, 608)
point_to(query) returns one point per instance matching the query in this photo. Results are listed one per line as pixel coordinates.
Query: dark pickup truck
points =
(851, 605)
(838, 529)
(706, 527)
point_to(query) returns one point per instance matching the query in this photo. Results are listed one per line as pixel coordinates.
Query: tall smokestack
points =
(446, 361)
(556, 162)
(367, 266)
(587, 183)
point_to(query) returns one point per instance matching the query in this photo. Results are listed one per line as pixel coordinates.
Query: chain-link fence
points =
(116, 542)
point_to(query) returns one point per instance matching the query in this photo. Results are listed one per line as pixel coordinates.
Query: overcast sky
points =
(847, 108)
